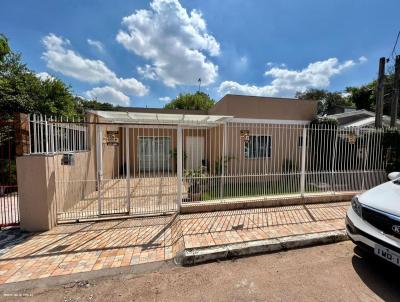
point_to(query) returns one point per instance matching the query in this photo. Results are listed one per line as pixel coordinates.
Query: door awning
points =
(119, 117)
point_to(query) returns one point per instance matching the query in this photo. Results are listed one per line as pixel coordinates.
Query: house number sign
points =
(112, 138)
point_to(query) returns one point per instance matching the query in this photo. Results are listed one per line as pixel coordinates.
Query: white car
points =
(373, 220)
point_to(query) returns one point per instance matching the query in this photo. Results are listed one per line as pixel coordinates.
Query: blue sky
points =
(142, 53)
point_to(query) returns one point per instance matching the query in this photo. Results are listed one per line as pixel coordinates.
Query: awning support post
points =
(128, 171)
(179, 165)
(99, 156)
(303, 163)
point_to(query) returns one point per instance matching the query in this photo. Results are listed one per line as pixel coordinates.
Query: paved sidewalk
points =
(86, 247)
(228, 227)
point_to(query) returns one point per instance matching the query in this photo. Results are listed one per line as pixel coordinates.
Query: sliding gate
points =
(127, 171)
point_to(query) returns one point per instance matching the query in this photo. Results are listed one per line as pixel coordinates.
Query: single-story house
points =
(360, 118)
(246, 143)
(145, 161)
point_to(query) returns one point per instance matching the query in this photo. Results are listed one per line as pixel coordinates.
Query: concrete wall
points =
(73, 183)
(47, 187)
(37, 190)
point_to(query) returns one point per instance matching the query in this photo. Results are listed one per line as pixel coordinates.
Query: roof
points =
(162, 110)
(118, 117)
(259, 107)
(360, 118)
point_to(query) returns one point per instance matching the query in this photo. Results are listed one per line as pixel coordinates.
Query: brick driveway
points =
(84, 247)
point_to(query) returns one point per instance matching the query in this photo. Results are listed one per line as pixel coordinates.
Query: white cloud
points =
(165, 99)
(175, 41)
(148, 72)
(362, 59)
(59, 57)
(44, 76)
(286, 82)
(96, 44)
(108, 94)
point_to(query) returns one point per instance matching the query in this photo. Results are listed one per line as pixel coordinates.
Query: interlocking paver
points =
(83, 247)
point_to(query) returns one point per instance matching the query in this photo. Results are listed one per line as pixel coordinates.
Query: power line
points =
(395, 44)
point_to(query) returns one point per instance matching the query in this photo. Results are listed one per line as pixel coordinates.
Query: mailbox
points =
(68, 159)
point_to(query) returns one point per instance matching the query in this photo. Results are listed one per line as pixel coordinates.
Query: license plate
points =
(387, 254)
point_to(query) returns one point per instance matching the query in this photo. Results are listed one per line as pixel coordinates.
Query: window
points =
(300, 141)
(257, 147)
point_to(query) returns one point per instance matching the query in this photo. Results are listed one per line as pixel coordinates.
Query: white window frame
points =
(247, 148)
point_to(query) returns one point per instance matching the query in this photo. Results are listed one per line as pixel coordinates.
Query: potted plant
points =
(195, 188)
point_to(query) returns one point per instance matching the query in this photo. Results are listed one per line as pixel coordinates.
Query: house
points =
(360, 118)
(150, 161)
(230, 129)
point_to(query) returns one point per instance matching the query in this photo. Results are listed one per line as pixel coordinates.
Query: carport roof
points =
(119, 117)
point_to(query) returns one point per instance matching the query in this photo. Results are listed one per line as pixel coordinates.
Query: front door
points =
(194, 150)
(154, 154)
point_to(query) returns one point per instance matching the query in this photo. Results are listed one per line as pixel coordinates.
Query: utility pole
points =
(380, 93)
(395, 100)
(199, 80)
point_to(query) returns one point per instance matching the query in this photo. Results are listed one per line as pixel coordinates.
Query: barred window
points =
(257, 147)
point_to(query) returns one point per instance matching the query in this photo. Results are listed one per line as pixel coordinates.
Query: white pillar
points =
(223, 161)
(128, 170)
(179, 163)
(303, 162)
(334, 160)
(99, 156)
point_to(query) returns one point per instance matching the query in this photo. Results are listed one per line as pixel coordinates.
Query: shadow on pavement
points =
(379, 275)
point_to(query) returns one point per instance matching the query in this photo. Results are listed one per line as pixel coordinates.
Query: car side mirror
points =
(393, 175)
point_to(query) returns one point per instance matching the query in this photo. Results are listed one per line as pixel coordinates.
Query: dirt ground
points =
(335, 272)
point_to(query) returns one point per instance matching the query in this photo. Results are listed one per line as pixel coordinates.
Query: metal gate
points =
(9, 206)
(121, 170)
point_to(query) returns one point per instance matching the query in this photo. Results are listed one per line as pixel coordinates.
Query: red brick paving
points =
(83, 247)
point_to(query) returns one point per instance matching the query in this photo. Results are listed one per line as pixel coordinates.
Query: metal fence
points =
(246, 160)
(145, 169)
(9, 206)
(54, 135)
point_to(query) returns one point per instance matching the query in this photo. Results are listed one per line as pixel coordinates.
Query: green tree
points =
(4, 47)
(193, 101)
(22, 91)
(326, 100)
(364, 97)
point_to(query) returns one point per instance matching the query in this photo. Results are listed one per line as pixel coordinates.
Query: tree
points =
(4, 47)
(193, 101)
(22, 91)
(326, 100)
(364, 97)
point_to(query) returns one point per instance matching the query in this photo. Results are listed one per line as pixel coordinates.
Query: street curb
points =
(193, 256)
(53, 281)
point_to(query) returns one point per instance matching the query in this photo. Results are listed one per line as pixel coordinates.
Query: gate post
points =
(336, 129)
(99, 157)
(179, 159)
(303, 163)
(366, 157)
(128, 170)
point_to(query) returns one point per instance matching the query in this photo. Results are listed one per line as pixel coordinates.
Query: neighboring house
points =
(360, 118)
(340, 109)
(205, 141)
